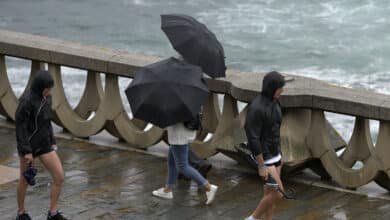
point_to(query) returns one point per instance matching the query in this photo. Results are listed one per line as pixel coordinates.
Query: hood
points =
(271, 82)
(41, 81)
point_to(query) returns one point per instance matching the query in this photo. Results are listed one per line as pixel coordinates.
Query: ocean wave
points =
(138, 3)
(373, 81)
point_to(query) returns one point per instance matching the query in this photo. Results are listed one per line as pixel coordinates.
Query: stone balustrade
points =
(308, 139)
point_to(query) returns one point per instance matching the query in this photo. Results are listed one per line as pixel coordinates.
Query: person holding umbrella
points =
(262, 127)
(196, 45)
(200, 164)
(34, 136)
(168, 94)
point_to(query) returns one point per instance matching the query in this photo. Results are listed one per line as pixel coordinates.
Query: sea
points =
(342, 42)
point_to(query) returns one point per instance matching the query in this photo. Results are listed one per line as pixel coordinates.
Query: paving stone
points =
(105, 183)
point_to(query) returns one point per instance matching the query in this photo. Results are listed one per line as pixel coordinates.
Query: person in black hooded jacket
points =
(34, 136)
(262, 127)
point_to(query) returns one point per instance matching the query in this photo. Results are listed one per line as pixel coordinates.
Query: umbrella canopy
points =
(195, 42)
(167, 92)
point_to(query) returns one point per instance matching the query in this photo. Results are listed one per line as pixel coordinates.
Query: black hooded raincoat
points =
(264, 118)
(34, 132)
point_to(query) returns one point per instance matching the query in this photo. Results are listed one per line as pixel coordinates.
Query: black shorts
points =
(276, 164)
(36, 152)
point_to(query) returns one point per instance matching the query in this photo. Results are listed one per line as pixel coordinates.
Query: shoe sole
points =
(161, 197)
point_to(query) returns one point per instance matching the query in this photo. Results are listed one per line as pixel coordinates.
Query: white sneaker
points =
(211, 194)
(160, 193)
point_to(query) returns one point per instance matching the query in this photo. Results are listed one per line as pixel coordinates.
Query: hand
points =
(28, 158)
(263, 172)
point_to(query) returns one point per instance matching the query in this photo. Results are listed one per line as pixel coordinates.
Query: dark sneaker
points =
(58, 216)
(23, 216)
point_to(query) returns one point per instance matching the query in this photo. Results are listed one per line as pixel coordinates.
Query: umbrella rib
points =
(144, 94)
(179, 97)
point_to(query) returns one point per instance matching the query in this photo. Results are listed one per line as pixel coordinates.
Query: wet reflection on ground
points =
(105, 183)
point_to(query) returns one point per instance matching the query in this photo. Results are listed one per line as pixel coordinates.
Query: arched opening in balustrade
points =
(241, 106)
(123, 83)
(374, 130)
(18, 71)
(74, 82)
(343, 168)
(16, 78)
(343, 125)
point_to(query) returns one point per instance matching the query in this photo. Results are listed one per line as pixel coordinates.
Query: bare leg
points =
(273, 171)
(265, 204)
(270, 196)
(53, 163)
(22, 186)
(270, 212)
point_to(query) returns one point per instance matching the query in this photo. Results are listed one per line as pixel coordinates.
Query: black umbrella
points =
(167, 92)
(197, 44)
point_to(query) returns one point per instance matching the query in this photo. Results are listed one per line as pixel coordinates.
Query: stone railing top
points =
(302, 92)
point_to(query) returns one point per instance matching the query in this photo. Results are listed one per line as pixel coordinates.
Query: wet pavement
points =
(106, 183)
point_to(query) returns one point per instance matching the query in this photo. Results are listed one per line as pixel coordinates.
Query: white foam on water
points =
(329, 10)
(375, 81)
(239, 43)
(137, 2)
